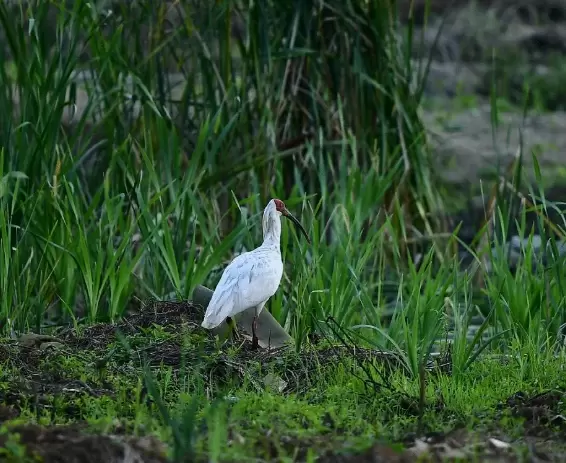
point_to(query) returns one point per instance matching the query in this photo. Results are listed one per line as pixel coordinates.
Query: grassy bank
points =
(234, 404)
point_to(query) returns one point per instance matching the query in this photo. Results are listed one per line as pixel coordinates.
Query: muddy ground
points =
(39, 385)
(515, 48)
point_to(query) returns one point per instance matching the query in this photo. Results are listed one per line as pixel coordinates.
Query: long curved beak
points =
(293, 219)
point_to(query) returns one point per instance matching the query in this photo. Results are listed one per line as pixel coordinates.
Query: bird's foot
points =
(255, 343)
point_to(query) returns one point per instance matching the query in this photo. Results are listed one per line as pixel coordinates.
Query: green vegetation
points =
(235, 403)
(138, 147)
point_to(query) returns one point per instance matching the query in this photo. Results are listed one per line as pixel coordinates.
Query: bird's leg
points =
(255, 340)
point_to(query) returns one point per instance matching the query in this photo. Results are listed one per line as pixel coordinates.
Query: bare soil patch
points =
(543, 414)
(458, 445)
(175, 352)
(168, 314)
(71, 444)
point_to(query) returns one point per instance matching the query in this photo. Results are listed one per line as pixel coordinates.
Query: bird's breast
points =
(269, 266)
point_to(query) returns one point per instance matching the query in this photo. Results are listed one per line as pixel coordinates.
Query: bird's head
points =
(278, 207)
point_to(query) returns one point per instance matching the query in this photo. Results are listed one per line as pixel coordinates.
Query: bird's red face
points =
(279, 205)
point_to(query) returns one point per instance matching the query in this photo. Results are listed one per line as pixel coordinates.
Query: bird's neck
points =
(271, 231)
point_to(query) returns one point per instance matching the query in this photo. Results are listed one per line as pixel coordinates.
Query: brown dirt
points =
(458, 445)
(68, 444)
(40, 385)
(171, 315)
(168, 314)
(542, 413)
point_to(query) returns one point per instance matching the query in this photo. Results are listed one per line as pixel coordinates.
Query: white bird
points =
(252, 277)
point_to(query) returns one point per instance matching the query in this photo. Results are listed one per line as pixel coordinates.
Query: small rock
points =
(33, 339)
(274, 383)
(498, 444)
(44, 346)
(419, 448)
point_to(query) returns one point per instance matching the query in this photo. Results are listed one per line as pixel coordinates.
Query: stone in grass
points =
(274, 383)
(33, 339)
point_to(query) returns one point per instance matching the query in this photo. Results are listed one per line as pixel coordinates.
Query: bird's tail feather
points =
(208, 324)
(213, 318)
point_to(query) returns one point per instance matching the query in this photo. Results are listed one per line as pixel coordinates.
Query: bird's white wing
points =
(250, 279)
